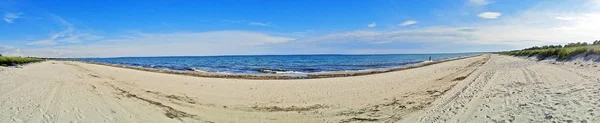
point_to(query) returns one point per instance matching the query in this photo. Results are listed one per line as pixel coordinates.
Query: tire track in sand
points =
(169, 111)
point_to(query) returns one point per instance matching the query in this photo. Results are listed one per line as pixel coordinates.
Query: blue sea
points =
(275, 64)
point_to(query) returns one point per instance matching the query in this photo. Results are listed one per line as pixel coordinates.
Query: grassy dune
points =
(6, 61)
(560, 53)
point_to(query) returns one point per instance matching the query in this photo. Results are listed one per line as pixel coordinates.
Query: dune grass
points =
(7, 61)
(560, 53)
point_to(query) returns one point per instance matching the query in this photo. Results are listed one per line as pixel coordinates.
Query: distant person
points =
(429, 58)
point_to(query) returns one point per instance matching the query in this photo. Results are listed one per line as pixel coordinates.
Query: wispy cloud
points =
(42, 42)
(152, 44)
(10, 51)
(232, 21)
(372, 25)
(432, 34)
(68, 35)
(409, 22)
(489, 15)
(10, 17)
(480, 2)
(258, 24)
(52, 39)
(251, 23)
(564, 18)
(537, 26)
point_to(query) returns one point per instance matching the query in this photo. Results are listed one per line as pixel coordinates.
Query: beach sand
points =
(486, 88)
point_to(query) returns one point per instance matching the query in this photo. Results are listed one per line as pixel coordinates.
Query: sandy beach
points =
(486, 88)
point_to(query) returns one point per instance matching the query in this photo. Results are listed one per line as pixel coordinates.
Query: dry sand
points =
(485, 88)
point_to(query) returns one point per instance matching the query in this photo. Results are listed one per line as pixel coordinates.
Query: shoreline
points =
(317, 75)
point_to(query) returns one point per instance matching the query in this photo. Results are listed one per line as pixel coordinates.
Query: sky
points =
(65, 28)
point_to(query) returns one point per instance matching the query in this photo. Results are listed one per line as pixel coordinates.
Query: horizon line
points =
(347, 54)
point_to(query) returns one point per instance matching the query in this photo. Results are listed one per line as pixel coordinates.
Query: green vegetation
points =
(561, 52)
(6, 61)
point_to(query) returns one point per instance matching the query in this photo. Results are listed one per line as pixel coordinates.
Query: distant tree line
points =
(597, 42)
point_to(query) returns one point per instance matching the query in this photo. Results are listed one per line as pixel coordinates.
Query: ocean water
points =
(275, 64)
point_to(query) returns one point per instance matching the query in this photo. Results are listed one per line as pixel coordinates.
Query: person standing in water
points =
(429, 58)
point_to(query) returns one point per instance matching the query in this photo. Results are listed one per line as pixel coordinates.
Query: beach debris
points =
(548, 116)
(291, 108)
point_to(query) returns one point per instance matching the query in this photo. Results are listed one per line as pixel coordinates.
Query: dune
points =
(485, 88)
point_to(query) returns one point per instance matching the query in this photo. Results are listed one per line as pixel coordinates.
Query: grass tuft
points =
(7, 61)
(560, 53)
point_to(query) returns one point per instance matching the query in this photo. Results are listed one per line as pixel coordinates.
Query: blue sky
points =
(62, 28)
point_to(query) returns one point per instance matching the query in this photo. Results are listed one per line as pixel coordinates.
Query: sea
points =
(275, 64)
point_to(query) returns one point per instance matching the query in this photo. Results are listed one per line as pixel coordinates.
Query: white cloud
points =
(539, 25)
(595, 3)
(409, 22)
(564, 18)
(372, 25)
(10, 17)
(258, 24)
(433, 34)
(490, 15)
(9, 51)
(530, 27)
(156, 44)
(480, 2)
(4, 49)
